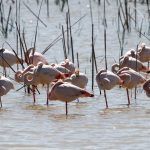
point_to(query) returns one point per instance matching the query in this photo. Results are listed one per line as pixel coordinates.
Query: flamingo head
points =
(29, 78)
(52, 95)
(77, 72)
(125, 78)
(18, 76)
(115, 68)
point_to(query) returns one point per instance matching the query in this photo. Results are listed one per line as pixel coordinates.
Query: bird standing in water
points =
(67, 92)
(106, 80)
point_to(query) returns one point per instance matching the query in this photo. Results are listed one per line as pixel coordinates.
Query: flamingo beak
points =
(87, 94)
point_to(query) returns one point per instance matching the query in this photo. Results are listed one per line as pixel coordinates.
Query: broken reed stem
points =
(7, 22)
(93, 49)
(78, 65)
(64, 43)
(47, 8)
(17, 39)
(141, 29)
(71, 39)
(105, 44)
(1, 14)
(19, 30)
(68, 35)
(136, 70)
(92, 57)
(120, 18)
(135, 12)
(126, 12)
(26, 49)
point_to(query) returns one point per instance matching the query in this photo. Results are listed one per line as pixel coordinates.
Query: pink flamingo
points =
(130, 62)
(35, 58)
(79, 79)
(8, 58)
(130, 53)
(69, 65)
(42, 74)
(106, 80)
(61, 68)
(144, 53)
(146, 87)
(67, 92)
(130, 79)
(5, 86)
(19, 75)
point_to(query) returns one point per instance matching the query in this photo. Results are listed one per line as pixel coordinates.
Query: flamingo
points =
(79, 79)
(19, 75)
(35, 58)
(8, 58)
(130, 62)
(146, 87)
(67, 92)
(42, 74)
(5, 86)
(61, 68)
(69, 65)
(144, 53)
(130, 53)
(130, 79)
(106, 80)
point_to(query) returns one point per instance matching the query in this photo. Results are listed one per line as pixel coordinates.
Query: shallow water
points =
(89, 125)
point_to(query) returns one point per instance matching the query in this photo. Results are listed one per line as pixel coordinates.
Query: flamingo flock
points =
(66, 83)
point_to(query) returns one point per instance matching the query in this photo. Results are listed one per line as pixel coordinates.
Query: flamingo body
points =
(144, 53)
(69, 65)
(106, 80)
(130, 78)
(9, 56)
(130, 62)
(79, 79)
(67, 92)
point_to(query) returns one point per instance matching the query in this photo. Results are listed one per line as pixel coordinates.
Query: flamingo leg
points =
(33, 90)
(4, 71)
(135, 93)
(66, 108)
(105, 99)
(47, 94)
(128, 96)
(0, 102)
(28, 89)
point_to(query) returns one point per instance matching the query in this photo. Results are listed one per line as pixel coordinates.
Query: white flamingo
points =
(106, 80)
(5, 86)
